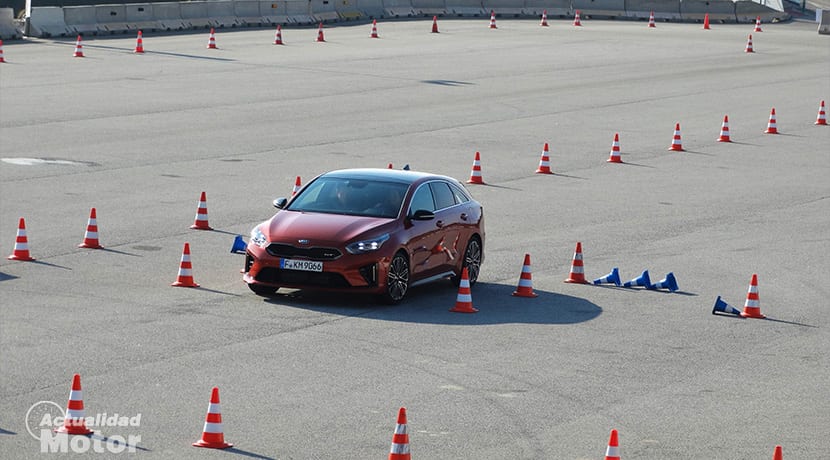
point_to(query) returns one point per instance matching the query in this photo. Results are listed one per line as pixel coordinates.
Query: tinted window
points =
(460, 195)
(442, 194)
(422, 200)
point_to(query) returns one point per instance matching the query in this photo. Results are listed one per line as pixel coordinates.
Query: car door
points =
(450, 219)
(425, 243)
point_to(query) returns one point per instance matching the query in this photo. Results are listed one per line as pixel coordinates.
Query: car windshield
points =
(355, 197)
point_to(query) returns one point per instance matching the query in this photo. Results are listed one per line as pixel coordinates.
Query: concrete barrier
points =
(347, 10)
(111, 19)
(554, 8)
(195, 15)
(247, 13)
(748, 11)
(429, 8)
(824, 22)
(599, 8)
(140, 16)
(80, 19)
(45, 22)
(323, 10)
(8, 28)
(398, 8)
(222, 13)
(299, 11)
(503, 8)
(371, 8)
(664, 10)
(718, 10)
(168, 15)
(273, 12)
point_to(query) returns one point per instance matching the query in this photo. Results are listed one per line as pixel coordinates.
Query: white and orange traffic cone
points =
(185, 276)
(400, 440)
(613, 450)
(435, 24)
(297, 186)
(706, 22)
(577, 22)
(651, 23)
(748, 48)
(757, 24)
(772, 126)
(475, 175)
(525, 287)
(464, 300)
(2, 59)
(724, 130)
(752, 306)
(544, 22)
(201, 220)
(821, 118)
(278, 35)
(213, 435)
(493, 20)
(139, 43)
(676, 144)
(21, 244)
(320, 36)
(577, 274)
(75, 420)
(79, 47)
(544, 162)
(615, 157)
(778, 453)
(212, 39)
(374, 33)
(91, 234)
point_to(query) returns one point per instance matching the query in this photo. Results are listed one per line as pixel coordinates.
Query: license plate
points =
(302, 265)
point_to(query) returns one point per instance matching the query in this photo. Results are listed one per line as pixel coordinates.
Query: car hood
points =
(291, 226)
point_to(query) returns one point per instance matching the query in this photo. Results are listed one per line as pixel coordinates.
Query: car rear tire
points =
(263, 291)
(472, 260)
(397, 279)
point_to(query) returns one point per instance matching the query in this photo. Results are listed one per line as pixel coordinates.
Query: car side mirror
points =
(280, 203)
(423, 214)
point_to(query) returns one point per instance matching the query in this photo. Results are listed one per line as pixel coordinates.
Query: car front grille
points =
(314, 253)
(301, 278)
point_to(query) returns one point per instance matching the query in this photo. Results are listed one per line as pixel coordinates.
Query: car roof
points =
(394, 175)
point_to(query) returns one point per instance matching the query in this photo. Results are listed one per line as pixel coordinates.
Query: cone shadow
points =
(2, 431)
(7, 277)
(789, 322)
(245, 453)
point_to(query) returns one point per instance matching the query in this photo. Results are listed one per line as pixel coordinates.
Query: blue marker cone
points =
(669, 282)
(725, 308)
(613, 277)
(239, 245)
(642, 280)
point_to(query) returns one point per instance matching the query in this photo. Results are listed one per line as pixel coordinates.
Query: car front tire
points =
(472, 260)
(397, 279)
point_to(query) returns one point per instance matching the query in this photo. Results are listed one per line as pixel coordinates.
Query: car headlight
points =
(360, 247)
(258, 238)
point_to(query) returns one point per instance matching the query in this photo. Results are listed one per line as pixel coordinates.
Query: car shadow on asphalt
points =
(431, 304)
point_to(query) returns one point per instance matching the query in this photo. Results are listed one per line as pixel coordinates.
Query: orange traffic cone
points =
(435, 24)
(464, 300)
(374, 29)
(676, 145)
(91, 235)
(79, 48)
(75, 420)
(201, 220)
(821, 118)
(772, 126)
(185, 277)
(724, 130)
(297, 186)
(278, 35)
(213, 435)
(493, 19)
(748, 48)
(21, 244)
(544, 162)
(757, 24)
(706, 21)
(752, 307)
(400, 440)
(577, 274)
(2, 59)
(475, 175)
(613, 450)
(778, 453)
(544, 22)
(212, 39)
(320, 37)
(139, 43)
(615, 157)
(577, 22)
(651, 20)
(525, 288)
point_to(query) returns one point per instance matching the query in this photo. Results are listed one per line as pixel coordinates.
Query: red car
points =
(376, 231)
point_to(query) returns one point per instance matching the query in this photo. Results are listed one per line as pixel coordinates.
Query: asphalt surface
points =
(310, 376)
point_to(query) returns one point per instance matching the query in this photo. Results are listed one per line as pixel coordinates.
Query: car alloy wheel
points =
(472, 260)
(397, 279)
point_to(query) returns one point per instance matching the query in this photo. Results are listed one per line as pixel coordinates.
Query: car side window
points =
(422, 199)
(460, 196)
(442, 194)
